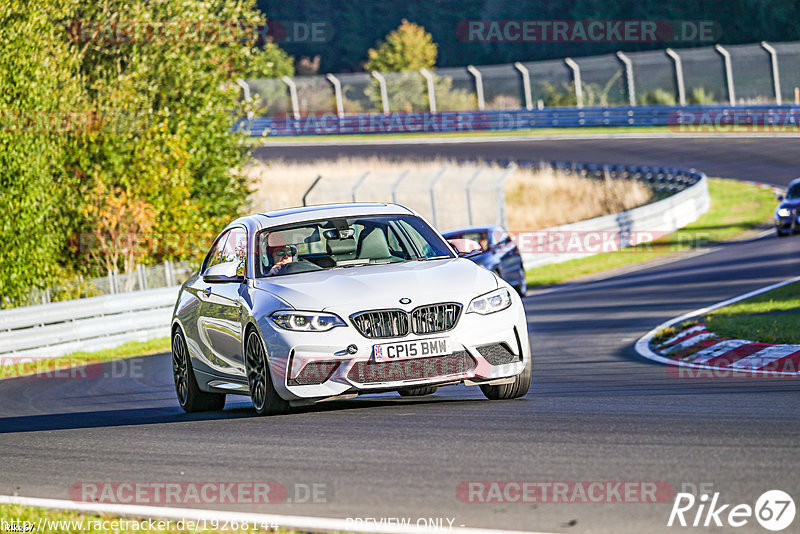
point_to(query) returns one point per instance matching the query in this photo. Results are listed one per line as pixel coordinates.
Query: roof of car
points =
(475, 228)
(322, 211)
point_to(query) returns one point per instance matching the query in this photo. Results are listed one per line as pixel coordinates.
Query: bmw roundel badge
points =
(405, 300)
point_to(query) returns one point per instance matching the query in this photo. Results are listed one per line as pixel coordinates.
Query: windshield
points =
(794, 192)
(347, 242)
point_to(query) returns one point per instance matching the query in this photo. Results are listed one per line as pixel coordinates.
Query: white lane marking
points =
(716, 350)
(643, 345)
(765, 356)
(684, 333)
(694, 340)
(287, 521)
(341, 141)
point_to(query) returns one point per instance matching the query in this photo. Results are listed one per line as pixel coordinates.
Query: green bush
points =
(699, 95)
(658, 97)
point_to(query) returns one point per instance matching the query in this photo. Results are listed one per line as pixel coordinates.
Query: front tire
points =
(265, 399)
(190, 396)
(518, 388)
(418, 392)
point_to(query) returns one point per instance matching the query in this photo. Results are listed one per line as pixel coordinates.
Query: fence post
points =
(384, 92)
(168, 273)
(726, 60)
(431, 89)
(142, 278)
(676, 60)
(478, 85)
(502, 216)
(576, 75)
(358, 183)
(433, 199)
(111, 282)
(248, 99)
(314, 183)
(629, 77)
(776, 80)
(293, 95)
(526, 84)
(469, 199)
(396, 184)
(337, 92)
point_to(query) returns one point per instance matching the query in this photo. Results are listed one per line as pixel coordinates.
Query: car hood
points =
(791, 204)
(348, 290)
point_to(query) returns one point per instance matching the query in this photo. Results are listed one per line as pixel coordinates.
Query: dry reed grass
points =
(535, 199)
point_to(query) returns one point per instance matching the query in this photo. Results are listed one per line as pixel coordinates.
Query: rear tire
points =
(418, 392)
(518, 388)
(265, 398)
(190, 396)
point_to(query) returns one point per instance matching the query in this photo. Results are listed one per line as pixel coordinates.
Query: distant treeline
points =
(346, 29)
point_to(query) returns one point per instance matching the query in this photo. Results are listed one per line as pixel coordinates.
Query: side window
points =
(229, 247)
(217, 253)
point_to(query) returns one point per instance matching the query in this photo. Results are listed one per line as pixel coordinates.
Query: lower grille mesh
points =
(419, 368)
(314, 373)
(497, 354)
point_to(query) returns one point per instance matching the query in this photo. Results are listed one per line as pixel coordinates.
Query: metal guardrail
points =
(682, 119)
(51, 330)
(689, 199)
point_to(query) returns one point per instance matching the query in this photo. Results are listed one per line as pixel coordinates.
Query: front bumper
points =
(315, 366)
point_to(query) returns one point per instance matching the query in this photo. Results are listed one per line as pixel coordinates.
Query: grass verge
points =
(736, 208)
(29, 519)
(770, 317)
(128, 350)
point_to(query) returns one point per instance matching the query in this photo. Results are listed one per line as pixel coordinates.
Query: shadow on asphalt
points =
(152, 416)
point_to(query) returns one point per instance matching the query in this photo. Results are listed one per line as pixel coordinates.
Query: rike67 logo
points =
(774, 510)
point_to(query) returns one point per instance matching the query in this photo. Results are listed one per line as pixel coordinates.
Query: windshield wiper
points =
(428, 258)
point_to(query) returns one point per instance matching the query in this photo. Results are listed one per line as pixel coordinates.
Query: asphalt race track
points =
(596, 410)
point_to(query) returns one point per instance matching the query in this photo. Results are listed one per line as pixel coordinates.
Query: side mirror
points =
(779, 198)
(223, 272)
(465, 247)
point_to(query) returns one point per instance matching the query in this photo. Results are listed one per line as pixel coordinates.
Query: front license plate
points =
(406, 350)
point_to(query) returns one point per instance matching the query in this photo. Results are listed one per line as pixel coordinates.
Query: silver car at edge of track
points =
(302, 305)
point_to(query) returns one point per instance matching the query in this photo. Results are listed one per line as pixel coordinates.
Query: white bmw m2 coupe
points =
(297, 306)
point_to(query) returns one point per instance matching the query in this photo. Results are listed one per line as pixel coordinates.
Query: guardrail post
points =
(314, 183)
(776, 79)
(478, 85)
(576, 76)
(431, 89)
(502, 216)
(142, 277)
(626, 61)
(293, 95)
(357, 184)
(396, 184)
(111, 282)
(469, 200)
(433, 196)
(337, 92)
(676, 60)
(726, 60)
(384, 92)
(526, 84)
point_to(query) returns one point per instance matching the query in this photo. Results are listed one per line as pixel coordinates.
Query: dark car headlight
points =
(301, 321)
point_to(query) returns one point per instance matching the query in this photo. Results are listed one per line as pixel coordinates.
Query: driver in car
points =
(282, 255)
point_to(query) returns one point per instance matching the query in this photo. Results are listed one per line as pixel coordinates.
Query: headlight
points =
(495, 301)
(301, 321)
(784, 212)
